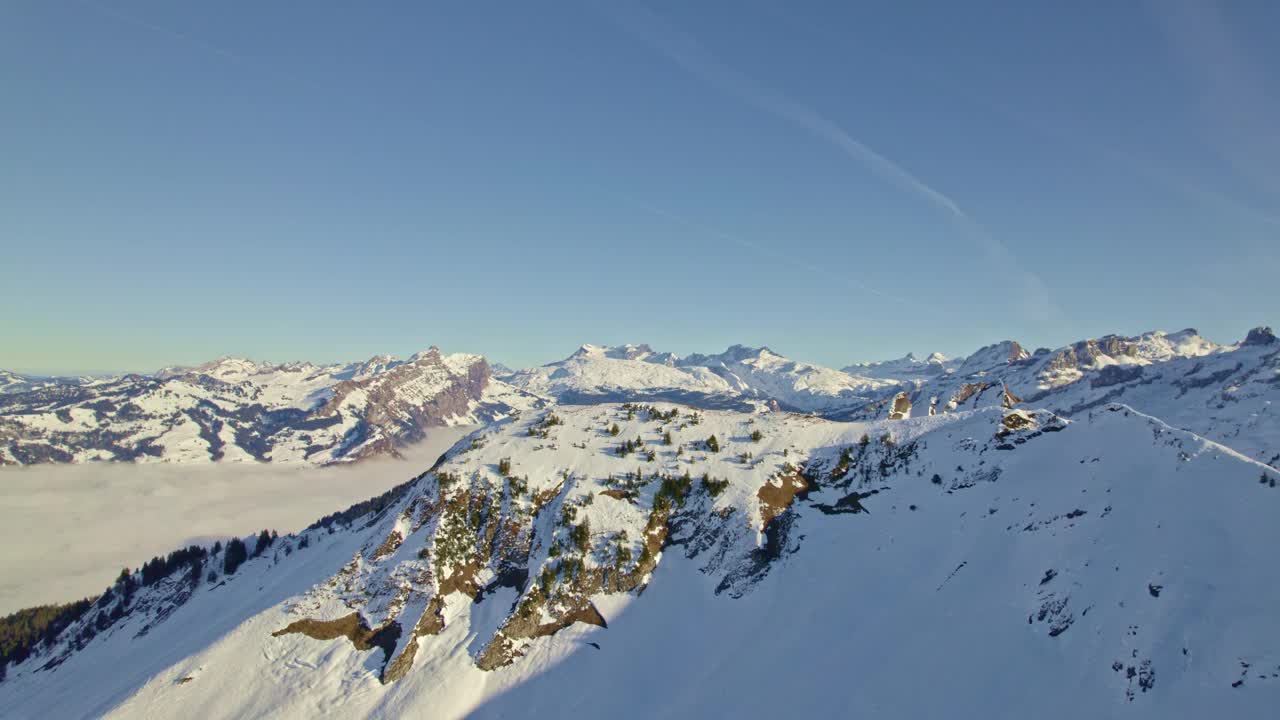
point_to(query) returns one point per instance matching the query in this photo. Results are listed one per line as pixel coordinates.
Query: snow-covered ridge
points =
(1025, 564)
(234, 409)
(1230, 393)
(238, 409)
(741, 377)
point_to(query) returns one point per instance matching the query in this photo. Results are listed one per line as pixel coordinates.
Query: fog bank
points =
(66, 530)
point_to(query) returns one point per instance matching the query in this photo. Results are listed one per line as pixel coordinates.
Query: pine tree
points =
(264, 542)
(713, 444)
(235, 556)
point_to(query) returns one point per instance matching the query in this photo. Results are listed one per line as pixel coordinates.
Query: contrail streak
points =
(760, 249)
(1131, 163)
(683, 49)
(202, 44)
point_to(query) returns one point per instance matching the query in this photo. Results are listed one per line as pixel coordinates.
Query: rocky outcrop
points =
(238, 410)
(901, 408)
(1260, 336)
(353, 628)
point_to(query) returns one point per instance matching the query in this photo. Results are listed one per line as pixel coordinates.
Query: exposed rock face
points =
(1232, 388)
(352, 628)
(1260, 336)
(901, 408)
(885, 528)
(238, 410)
(1008, 399)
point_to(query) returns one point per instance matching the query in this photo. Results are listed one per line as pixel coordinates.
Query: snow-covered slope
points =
(739, 378)
(574, 561)
(240, 410)
(1229, 393)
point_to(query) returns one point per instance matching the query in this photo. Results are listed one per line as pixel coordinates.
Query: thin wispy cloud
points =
(1231, 87)
(1101, 148)
(764, 250)
(257, 67)
(683, 49)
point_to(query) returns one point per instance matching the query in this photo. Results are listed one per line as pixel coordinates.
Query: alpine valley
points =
(1087, 531)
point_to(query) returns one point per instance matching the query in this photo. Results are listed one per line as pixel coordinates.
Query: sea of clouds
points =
(67, 530)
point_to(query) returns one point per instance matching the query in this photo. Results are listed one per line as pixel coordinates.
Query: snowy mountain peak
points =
(993, 357)
(615, 352)
(238, 410)
(906, 368)
(430, 355)
(1260, 336)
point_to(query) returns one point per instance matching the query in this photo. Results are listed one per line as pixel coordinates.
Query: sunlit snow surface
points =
(1114, 567)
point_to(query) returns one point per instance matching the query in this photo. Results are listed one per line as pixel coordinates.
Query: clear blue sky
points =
(840, 181)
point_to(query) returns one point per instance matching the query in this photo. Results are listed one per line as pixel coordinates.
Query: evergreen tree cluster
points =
(365, 507)
(714, 487)
(22, 632)
(265, 540)
(542, 428)
(673, 491)
(658, 415)
(630, 446)
(235, 556)
(190, 558)
(581, 536)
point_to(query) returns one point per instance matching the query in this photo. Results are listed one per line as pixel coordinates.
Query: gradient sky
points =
(840, 181)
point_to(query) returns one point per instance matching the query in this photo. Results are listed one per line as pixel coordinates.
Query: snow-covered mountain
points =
(633, 561)
(908, 367)
(12, 382)
(235, 409)
(739, 378)
(1229, 393)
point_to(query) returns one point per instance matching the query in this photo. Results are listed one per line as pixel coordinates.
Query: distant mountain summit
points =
(908, 367)
(1224, 392)
(240, 409)
(739, 378)
(235, 409)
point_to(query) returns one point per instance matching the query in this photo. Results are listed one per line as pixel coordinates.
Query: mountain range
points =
(240, 410)
(1086, 531)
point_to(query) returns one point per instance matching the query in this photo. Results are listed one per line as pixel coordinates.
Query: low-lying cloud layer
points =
(67, 530)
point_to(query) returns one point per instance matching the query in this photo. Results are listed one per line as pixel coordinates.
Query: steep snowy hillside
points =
(1229, 393)
(239, 410)
(632, 561)
(739, 378)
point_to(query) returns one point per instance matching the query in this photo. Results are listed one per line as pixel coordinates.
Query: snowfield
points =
(988, 563)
